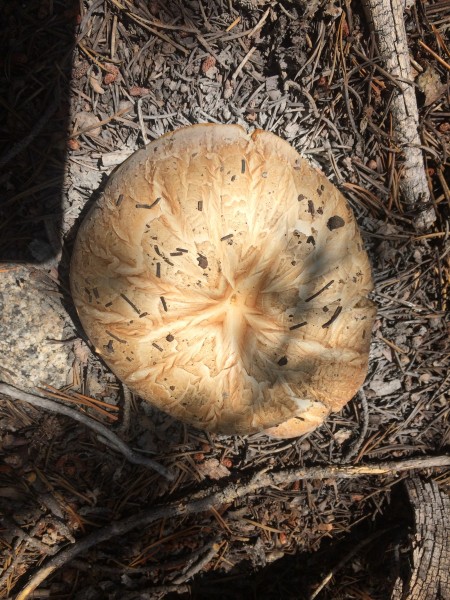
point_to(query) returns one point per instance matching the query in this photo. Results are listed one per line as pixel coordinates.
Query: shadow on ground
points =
(368, 562)
(36, 47)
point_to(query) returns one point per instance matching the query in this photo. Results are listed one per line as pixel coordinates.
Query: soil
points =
(85, 84)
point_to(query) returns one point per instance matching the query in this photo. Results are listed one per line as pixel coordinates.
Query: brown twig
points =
(434, 55)
(198, 503)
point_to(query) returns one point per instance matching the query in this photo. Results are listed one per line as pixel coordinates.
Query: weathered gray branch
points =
(387, 22)
(109, 437)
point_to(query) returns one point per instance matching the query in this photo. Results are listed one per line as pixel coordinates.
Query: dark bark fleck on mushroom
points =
(335, 222)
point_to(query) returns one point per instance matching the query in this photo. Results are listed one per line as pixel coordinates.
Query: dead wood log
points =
(430, 576)
(387, 22)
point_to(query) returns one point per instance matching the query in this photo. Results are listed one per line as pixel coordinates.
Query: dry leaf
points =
(81, 351)
(325, 527)
(73, 144)
(213, 469)
(112, 75)
(430, 84)
(109, 78)
(342, 435)
(208, 67)
(384, 388)
(332, 10)
(135, 90)
(84, 120)
(95, 84)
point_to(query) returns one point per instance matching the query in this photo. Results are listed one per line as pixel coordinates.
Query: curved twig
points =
(198, 503)
(209, 551)
(115, 441)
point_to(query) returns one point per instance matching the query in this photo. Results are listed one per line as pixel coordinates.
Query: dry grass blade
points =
(77, 398)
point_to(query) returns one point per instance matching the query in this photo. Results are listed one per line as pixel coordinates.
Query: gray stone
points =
(31, 330)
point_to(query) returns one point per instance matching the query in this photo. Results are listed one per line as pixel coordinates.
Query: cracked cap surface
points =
(223, 278)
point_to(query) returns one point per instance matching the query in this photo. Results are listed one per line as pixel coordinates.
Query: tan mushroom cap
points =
(223, 279)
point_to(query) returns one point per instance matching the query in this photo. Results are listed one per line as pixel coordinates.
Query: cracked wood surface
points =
(430, 576)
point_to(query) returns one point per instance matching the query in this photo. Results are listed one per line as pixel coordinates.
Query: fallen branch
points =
(200, 502)
(386, 20)
(114, 441)
(156, 591)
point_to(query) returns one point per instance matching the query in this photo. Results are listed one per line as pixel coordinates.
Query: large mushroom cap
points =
(223, 279)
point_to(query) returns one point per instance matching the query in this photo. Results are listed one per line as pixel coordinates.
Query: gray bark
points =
(386, 20)
(430, 569)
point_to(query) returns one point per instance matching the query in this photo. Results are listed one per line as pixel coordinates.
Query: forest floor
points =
(309, 72)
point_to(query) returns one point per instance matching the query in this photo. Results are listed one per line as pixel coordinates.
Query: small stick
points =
(141, 121)
(195, 567)
(364, 426)
(345, 559)
(116, 115)
(197, 503)
(117, 443)
(260, 23)
(243, 63)
(125, 425)
(436, 56)
(155, 591)
(18, 532)
(233, 24)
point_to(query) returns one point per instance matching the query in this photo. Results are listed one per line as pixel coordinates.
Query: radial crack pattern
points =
(238, 316)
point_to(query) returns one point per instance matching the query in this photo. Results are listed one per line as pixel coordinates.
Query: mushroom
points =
(223, 279)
